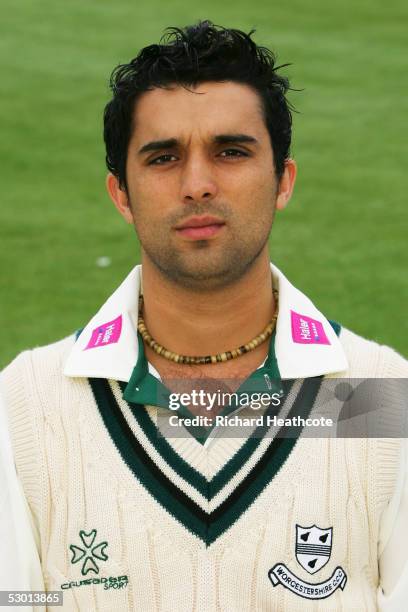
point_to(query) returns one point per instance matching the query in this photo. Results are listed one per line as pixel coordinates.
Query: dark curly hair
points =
(187, 57)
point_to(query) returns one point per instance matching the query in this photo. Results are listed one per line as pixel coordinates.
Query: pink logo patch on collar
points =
(306, 330)
(105, 334)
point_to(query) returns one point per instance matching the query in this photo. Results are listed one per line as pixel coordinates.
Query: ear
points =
(286, 184)
(119, 197)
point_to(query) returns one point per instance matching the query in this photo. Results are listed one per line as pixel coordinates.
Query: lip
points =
(204, 221)
(200, 228)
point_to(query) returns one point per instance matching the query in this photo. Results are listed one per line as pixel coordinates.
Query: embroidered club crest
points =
(313, 547)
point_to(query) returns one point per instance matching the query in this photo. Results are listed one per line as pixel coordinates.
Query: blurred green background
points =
(343, 238)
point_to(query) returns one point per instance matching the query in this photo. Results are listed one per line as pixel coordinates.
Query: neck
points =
(205, 323)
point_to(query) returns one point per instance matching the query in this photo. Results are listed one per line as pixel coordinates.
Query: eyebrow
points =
(234, 138)
(159, 145)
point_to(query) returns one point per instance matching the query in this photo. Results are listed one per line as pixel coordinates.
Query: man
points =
(197, 135)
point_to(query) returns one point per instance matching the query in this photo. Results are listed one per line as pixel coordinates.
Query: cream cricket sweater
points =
(131, 521)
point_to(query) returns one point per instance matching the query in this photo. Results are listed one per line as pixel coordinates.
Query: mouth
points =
(200, 228)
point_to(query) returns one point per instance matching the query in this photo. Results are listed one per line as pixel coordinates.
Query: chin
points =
(205, 278)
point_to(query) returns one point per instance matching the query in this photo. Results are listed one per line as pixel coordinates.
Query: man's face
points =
(202, 188)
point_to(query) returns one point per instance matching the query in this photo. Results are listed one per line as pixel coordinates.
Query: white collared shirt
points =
(306, 345)
(120, 351)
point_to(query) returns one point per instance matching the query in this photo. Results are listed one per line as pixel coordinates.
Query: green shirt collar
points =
(145, 389)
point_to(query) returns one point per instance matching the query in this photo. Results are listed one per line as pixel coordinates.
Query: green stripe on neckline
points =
(188, 472)
(208, 526)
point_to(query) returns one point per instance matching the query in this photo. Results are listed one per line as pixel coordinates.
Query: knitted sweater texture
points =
(130, 521)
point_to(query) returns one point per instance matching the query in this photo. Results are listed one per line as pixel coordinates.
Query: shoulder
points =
(51, 355)
(35, 369)
(374, 415)
(368, 359)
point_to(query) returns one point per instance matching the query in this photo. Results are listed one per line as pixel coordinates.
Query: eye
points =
(162, 159)
(233, 153)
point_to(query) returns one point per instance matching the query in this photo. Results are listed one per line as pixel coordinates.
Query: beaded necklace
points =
(203, 359)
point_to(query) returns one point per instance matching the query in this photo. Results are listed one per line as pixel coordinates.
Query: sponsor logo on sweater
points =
(110, 582)
(306, 330)
(90, 554)
(105, 334)
(312, 550)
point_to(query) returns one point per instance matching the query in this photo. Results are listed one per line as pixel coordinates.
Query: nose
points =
(198, 183)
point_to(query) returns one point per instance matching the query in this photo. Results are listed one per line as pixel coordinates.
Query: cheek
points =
(153, 196)
(264, 199)
(261, 184)
(139, 197)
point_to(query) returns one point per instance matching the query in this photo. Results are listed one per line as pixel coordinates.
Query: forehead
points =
(207, 108)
